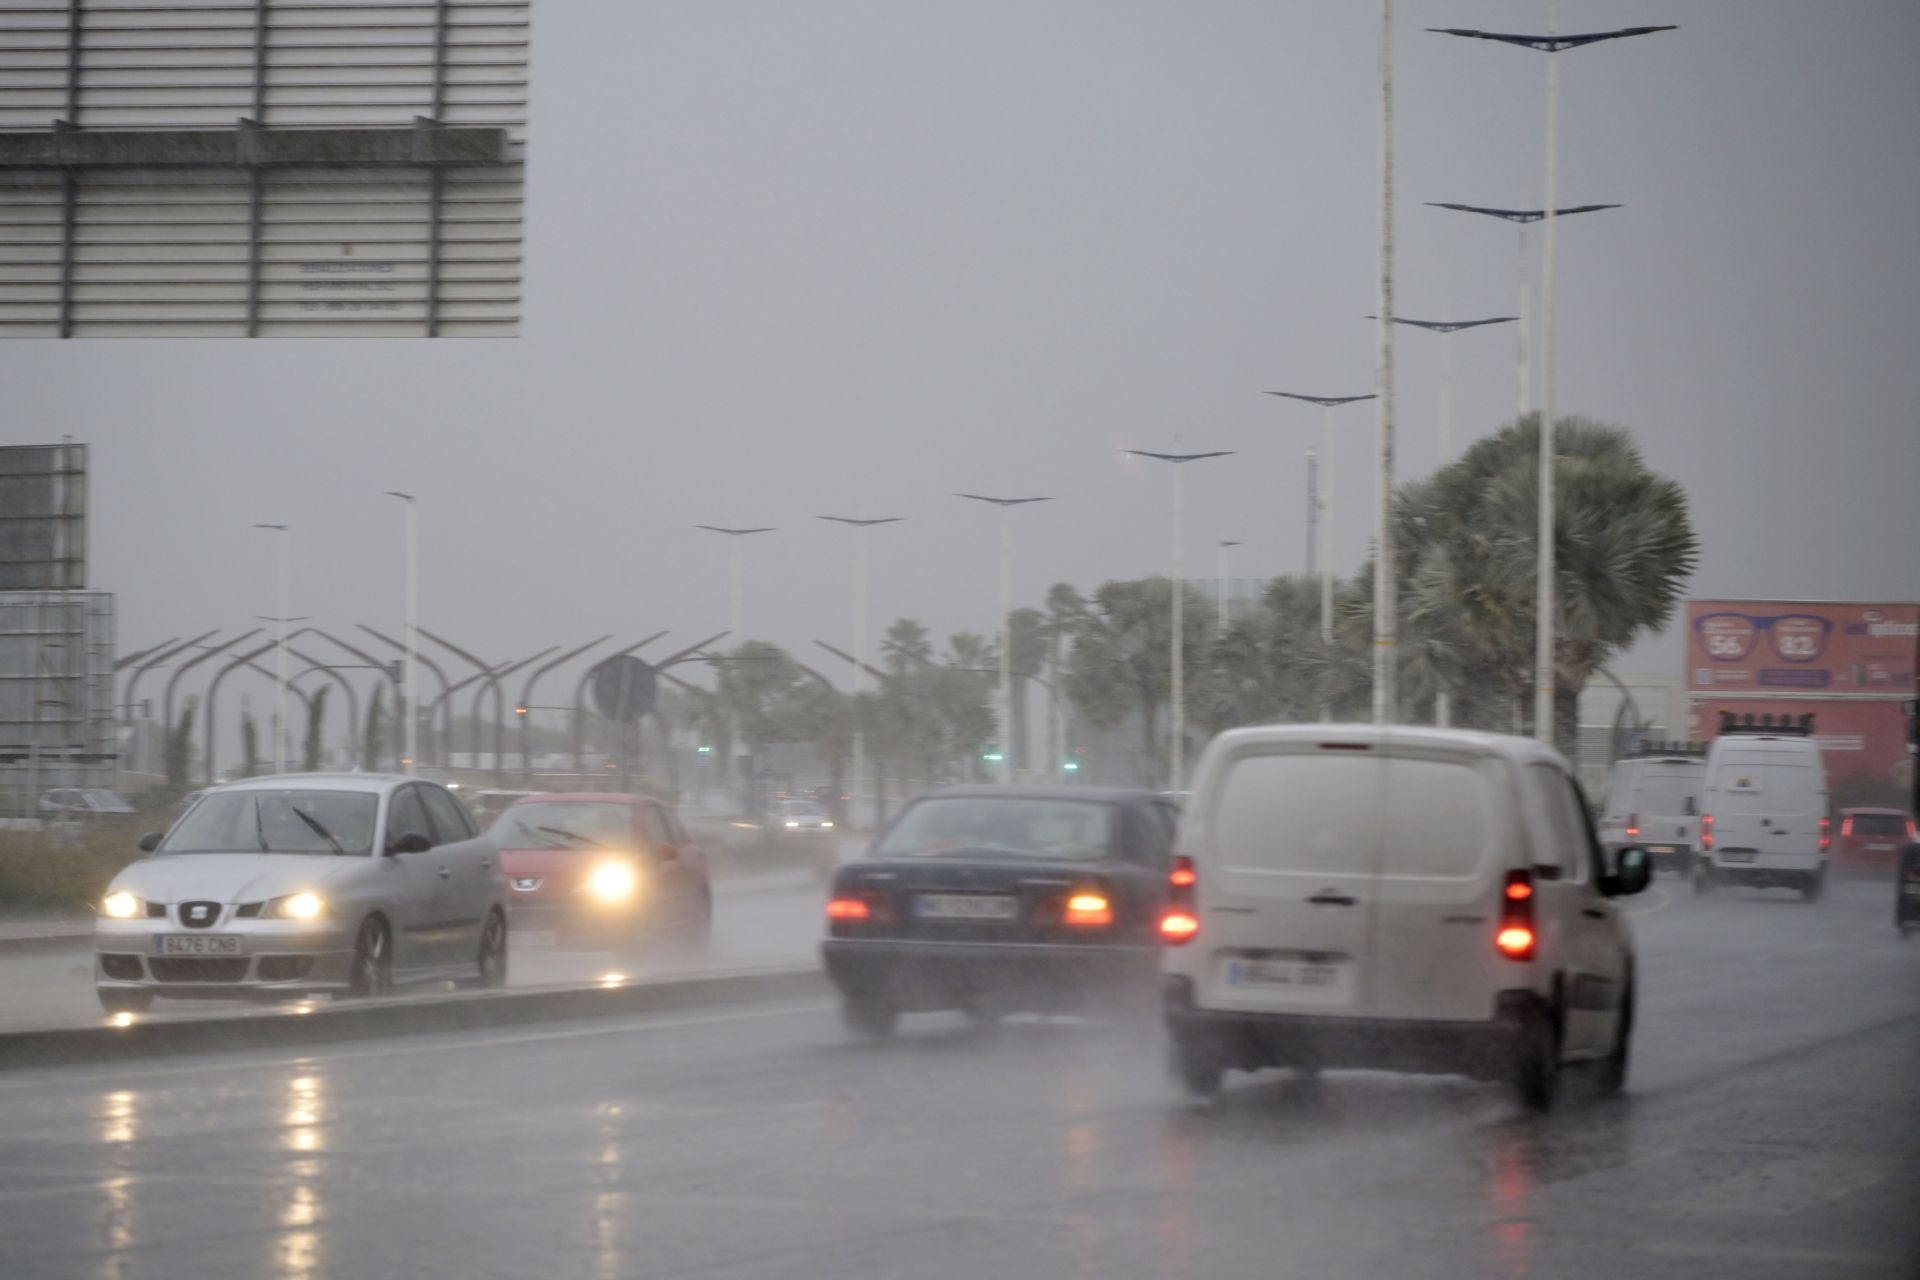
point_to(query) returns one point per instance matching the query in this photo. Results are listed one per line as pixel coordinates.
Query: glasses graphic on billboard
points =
(1794, 637)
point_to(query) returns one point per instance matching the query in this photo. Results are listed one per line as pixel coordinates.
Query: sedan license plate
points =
(1295, 975)
(965, 906)
(175, 944)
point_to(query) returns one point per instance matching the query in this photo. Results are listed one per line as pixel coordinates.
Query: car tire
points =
(1197, 1064)
(371, 972)
(124, 999)
(869, 1017)
(490, 964)
(1536, 1058)
(1614, 1067)
(1815, 886)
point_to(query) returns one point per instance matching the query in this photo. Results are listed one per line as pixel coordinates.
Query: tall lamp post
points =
(1006, 506)
(280, 620)
(1325, 488)
(1550, 44)
(1177, 695)
(1446, 368)
(859, 527)
(733, 570)
(410, 695)
(1220, 589)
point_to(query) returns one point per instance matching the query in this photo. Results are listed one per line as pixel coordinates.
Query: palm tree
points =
(375, 735)
(1027, 647)
(1120, 662)
(1266, 666)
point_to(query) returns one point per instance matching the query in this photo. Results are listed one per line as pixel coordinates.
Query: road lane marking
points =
(1666, 900)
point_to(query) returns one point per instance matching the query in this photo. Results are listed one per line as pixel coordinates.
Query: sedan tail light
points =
(1846, 827)
(1088, 910)
(860, 908)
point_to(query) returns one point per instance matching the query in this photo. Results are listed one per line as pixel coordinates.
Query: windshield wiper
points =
(574, 836)
(319, 829)
(260, 829)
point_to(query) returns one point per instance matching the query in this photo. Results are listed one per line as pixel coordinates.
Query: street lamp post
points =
(859, 527)
(280, 621)
(734, 590)
(409, 696)
(1220, 589)
(1448, 326)
(1550, 44)
(1006, 506)
(1177, 694)
(1325, 488)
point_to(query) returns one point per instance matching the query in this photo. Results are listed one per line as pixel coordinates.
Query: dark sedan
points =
(997, 900)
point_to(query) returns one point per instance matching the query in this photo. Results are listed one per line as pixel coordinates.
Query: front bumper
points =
(579, 922)
(276, 958)
(918, 976)
(1250, 1041)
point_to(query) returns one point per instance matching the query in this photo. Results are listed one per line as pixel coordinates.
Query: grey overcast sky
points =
(799, 257)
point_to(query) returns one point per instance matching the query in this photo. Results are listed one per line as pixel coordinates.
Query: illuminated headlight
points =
(122, 906)
(613, 882)
(792, 823)
(825, 825)
(296, 906)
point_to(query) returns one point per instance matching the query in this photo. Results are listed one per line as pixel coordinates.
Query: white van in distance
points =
(1397, 897)
(1763, 820)
(1653, 800)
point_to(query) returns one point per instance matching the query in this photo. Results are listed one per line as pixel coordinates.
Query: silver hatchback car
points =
(348, 884)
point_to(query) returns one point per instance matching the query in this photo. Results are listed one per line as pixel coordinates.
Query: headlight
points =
(296, 906)
(122, 906)
(825, 825)
(613, 882)
(792, 823)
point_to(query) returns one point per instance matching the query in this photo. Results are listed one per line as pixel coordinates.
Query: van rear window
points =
(1352, 814)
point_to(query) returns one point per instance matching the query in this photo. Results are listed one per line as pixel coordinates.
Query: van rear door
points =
(1287, 881)
(1772, 801)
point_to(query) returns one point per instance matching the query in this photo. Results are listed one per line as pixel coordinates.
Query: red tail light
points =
(1633, 826)
(1180, 922)
(860, 908)
(1706, 831)
(1177, 927)
(849, 909)
(1515, 939)
(1913, 833)
(1091, 909)
(1826, 838)
(1846, 827)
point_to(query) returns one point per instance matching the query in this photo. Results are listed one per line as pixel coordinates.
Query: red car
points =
(1869, 840)
(606, 871)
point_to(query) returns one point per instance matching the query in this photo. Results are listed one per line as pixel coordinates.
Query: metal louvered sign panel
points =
(240, 168)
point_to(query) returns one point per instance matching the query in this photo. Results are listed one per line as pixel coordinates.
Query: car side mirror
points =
(411, 842)
(1631, 874)
(151, 841)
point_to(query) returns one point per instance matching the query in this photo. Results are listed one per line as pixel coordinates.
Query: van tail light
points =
(1088, 909)
(1180, 922)
(1826, 833)
(1515, 938)
(1846, 827)
(1633, 826)
(1913, 832)
(1706, 831)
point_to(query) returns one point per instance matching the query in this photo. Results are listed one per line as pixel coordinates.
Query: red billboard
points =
(1860, 739)
(1760, 647)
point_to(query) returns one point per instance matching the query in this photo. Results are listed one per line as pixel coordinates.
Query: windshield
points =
(264, 821)
(565, 825)
(1073, 830)
(1879, 824)
(804, 810)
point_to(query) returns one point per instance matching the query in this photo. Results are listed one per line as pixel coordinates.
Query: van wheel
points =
(1814, 886)
(1197, 1065)
(870, 1017)
(1536, 1076)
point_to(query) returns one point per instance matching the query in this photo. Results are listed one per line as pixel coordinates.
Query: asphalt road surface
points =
(764, 921)
(1772, 1129)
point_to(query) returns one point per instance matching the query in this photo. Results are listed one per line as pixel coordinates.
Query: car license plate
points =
(175, 944)
(1295, 974)
(965, 906)
(1737, 855)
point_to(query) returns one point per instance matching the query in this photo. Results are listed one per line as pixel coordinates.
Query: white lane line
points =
(111, 1070)
(1666, 900)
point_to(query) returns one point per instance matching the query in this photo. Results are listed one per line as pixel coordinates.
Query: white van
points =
(1653, 801)
(1763, 819)
(1396, 897)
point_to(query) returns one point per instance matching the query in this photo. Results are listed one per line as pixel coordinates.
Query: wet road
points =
(1772, 1128)
(768, 920)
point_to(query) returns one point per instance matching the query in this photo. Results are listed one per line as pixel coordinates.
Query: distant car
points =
(803, 816)
(1653, 801)
(994, 900)
(604, 870)
(344, 884)
(85, 802)
(1869, 840)
(1396, 898)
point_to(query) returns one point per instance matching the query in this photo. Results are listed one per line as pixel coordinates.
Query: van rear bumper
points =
(1250, 1041)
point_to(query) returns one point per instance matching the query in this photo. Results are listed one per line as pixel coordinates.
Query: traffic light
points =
(520, 711)
(703, 749)
(992, 755)
(1071, 766)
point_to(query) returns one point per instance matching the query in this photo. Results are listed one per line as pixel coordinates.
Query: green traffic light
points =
(1071, 766)
(992, 757)
(705, 751)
